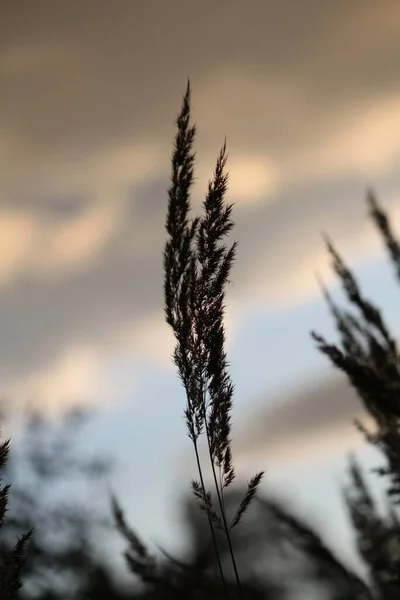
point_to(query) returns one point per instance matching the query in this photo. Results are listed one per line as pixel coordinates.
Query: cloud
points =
(148, 339)
(21, 59)
(39, 242)
(70, 379)
(281, 248)
(86, 144)
(283, 90)
(364, 144)
(16, 233)
(312, 425)
(252, 179)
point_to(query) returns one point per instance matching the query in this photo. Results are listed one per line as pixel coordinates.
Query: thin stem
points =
(214, 539)
(221, 486)
(220, 500)
(225, 524)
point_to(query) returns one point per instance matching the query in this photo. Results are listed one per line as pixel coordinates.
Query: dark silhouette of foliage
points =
(13, 560)
(368, 355)
(278, 555)
(61, 562)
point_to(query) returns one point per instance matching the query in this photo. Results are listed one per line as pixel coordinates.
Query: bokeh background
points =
(308, 96)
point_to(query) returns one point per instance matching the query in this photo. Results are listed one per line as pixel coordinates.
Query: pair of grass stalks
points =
(197, 266)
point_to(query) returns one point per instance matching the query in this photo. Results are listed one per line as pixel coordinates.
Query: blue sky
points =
(263, 380)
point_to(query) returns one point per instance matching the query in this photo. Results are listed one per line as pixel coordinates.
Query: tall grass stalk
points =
(197, 266)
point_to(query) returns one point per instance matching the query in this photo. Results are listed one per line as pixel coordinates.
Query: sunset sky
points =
(307, 94)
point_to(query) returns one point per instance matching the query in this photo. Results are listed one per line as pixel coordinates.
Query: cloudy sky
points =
(308, 95)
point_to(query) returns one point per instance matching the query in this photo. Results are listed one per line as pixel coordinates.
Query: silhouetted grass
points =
(12, 563)
(197, 267)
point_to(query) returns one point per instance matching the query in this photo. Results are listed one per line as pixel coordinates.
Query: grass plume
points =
(197, 267)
